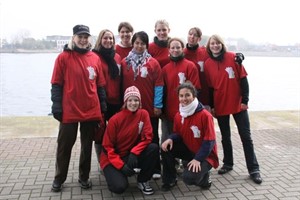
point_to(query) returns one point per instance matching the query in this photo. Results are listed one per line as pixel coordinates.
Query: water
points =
(25, 83)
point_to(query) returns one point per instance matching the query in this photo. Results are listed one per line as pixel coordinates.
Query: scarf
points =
(178, 58)
(161, 43)
(188, 110)
(192, 48)
(109, 57)
(218, 57)
(136, 61)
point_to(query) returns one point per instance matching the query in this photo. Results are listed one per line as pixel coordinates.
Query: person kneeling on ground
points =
(127, 146)
(193, 140)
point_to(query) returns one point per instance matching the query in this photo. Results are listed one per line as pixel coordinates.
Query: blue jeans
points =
(243, 125)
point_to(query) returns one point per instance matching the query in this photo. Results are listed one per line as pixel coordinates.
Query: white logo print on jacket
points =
(230, 72)
(92, 72)
(182, 77)
(196, 131)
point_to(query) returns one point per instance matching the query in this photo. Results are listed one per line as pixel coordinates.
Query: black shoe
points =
(206, 186)
(85, 184)
(56, 186)
(167, 186)
(224, 170)
(256, 178)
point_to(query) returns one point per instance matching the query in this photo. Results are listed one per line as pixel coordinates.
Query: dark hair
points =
(126, 25)
(187, 85)
(143, 36)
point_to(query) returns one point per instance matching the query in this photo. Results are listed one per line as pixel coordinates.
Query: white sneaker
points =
(145, 188)
(156, 176)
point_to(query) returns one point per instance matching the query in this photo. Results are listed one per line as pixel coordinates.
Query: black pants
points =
(117, 182)
(243, 125)
(66, 139)
(181, 151)
(154, 123)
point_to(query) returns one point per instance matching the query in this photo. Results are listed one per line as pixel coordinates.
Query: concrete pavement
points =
(27, 167)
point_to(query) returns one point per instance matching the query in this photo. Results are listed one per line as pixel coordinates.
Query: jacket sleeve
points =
(158, 96)
(102, 98)
(245, 90)
(109, 147)
(56, 98)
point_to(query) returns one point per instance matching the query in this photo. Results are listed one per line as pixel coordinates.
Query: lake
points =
(25, 83)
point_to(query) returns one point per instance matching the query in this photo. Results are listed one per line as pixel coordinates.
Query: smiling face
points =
(125, 36)
(215, 46)
(139, 46)
(162, 31)
(81, 40)
(133, 103)
(193, 37)
(185, 96)
(175, 48)
(107, 41)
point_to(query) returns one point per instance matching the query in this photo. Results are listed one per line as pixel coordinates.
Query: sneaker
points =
(56, 186)
(156, 176)
(167, 186)
(85, 184)
(145, 188)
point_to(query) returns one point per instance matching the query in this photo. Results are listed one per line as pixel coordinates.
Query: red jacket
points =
(199, 56)
(224, 77)
(79, 75)
(171, 76)
(195, 129)
(126, 132)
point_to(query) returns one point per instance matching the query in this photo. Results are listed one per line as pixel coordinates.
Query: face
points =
(125, 35)
(162, 31)
(185, 97)
(107, 41)
(133, 103)
(139, 46)
(175, 48)
(81, 41)
(215, 46)
(193, 38)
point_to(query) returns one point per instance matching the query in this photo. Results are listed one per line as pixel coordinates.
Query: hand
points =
(194, 166)
(239, 57)
(58, 116)
(213, 113)
(167, 145)
(132, 161)
(127, 171)
(244, 107)
(157, 111)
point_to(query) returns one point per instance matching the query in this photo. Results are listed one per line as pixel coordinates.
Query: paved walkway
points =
(27, 171)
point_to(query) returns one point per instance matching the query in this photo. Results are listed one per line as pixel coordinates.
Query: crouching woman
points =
(193, 140)
(127, 146)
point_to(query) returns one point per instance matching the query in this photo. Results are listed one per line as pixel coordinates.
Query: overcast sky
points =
(257, 21)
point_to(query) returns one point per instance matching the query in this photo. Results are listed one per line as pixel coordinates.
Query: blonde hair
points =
(163, 22)
(100, 36)
(218, 39)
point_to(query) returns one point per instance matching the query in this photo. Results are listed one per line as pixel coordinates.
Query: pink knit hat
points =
(132, 91)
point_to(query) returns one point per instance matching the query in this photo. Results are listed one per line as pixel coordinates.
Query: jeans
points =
(117, 182)
(181, 151)
(243, 125)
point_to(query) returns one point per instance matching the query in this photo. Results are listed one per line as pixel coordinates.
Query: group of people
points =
(118, 94)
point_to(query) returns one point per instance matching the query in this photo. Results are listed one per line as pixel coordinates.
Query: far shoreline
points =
(246, 53)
